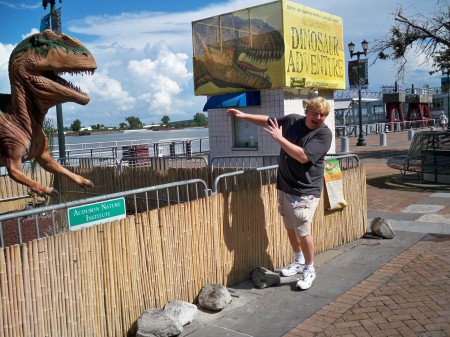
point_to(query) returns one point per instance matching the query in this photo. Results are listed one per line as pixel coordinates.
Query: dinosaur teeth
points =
(81, 72)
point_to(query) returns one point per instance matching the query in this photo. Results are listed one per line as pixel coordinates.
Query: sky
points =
(143, 50)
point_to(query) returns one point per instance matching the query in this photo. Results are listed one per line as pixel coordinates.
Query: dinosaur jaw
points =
(53, 88)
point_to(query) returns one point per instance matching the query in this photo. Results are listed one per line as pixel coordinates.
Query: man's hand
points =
(236, 113)
(275, 131)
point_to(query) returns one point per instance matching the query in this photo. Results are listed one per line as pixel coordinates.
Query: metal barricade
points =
(165, 194)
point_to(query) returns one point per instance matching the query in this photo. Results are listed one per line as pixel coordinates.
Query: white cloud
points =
(5, 52)
(105, 90)
(161, 79)
(20, 6)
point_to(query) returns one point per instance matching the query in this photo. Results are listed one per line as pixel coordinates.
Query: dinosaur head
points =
(36, 63)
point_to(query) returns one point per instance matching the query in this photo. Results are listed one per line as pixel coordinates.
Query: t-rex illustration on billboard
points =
(237, 56)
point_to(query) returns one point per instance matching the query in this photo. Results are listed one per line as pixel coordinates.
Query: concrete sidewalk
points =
(370, 287)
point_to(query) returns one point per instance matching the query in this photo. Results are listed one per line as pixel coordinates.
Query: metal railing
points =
(346, 161)
(235, 174)
(132, 195)
(89, 162)
(377, 128)
(164, 163)
(249, 161)
(118, 149)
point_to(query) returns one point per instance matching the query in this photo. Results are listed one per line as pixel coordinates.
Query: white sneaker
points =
(307, 278)
(292, 269)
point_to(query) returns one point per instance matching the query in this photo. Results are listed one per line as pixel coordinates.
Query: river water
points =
(140, 136)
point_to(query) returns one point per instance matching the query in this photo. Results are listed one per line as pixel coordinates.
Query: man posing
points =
(304, 141)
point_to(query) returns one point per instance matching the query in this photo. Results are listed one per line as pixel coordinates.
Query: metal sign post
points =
(55, 20)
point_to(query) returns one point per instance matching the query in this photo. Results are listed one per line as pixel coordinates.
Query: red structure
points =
(418, 106)
(418, 111)
(394, 108)
(394, 112)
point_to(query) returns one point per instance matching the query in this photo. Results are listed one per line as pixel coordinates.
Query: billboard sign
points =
(314, 56)
(275, 45)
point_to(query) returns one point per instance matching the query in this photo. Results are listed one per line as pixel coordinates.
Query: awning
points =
(249, 98)
(342, 105)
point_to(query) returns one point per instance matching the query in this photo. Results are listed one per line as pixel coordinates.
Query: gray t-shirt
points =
(294, 177)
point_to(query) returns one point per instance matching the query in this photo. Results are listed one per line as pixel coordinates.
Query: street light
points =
(448, 97)
(351, 48)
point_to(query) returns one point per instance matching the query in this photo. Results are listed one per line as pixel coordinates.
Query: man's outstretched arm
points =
(260, 120)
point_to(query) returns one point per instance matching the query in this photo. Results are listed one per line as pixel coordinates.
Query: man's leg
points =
(307, 245)
(294, 240)
(297, 266)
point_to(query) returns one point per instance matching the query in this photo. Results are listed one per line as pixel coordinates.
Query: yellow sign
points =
(275, 45)
(314, 53)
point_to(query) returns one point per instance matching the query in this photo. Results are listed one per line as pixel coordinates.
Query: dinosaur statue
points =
(34, 66)
(237, 60)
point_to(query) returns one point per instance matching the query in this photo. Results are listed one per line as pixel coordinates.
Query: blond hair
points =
(319, 105)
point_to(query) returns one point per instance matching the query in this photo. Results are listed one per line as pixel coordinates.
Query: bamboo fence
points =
(13, 195)
(99, 280)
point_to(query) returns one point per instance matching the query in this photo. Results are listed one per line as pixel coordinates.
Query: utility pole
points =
(59, 113)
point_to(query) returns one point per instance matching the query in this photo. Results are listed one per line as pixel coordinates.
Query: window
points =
(245, 134)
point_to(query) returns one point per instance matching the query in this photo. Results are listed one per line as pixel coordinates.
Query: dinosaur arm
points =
(14, 167)
(46, 161)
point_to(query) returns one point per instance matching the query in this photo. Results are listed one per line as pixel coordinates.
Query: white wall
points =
(274, 102)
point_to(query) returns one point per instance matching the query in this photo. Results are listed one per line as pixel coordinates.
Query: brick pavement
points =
(408, 296)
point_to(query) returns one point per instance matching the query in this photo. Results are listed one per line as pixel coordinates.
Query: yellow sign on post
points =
(275, 45)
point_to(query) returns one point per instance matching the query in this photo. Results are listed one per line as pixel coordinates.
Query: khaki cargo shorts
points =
(297, 211)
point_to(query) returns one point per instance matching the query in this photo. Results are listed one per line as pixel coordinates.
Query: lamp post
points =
(351, 48)
(59, 113)
(448, 97)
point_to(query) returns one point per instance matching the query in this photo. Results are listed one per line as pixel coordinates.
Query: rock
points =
(263, 278)
(214, 297)
(381, 227)
(184, 312)
(158, 323)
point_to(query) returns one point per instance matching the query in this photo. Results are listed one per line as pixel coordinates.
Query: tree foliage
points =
(428, 37)
(49, 130)
(98, 127)
(200, 119)
(134, 122)
(76, 125)
(165, 120)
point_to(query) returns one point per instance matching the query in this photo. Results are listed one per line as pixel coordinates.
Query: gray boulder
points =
(184, 312)
(214, 297)
(382, 227)
(158, 323)
(263, 278)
